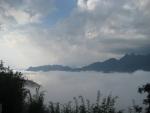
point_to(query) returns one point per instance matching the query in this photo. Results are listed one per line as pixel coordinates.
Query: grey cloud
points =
(116, 29)
(11, 3)
(37, 6)
(127, 29)
(105, 29)
(25, 11)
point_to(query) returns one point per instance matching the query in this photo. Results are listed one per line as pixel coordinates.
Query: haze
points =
(63, 86)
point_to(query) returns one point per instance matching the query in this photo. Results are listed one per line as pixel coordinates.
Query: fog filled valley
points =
(73, 92)
(62, 86)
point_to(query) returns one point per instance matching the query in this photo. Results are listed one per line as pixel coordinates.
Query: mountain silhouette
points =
(128, 63)
(50, 68)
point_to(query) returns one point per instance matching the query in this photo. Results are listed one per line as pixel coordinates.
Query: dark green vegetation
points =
(128, 63)
(15, 98)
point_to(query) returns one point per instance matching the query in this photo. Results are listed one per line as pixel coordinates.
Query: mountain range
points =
(127, 63)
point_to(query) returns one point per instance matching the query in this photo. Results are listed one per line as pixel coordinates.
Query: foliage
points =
(80, 105)
(36, 103)
(135, 108)
(146, 101)
(12, 91)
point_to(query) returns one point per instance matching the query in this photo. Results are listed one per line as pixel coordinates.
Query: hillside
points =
(128, 63)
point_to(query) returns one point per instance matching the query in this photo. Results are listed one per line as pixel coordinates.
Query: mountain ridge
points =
(127, 63)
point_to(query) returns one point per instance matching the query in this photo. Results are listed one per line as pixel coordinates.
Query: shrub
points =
(12, 91)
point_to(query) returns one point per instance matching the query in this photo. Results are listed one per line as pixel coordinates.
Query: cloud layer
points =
(93, 30)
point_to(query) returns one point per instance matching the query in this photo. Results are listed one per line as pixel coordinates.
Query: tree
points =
(146, 101)
(36, 103)
(12, 91)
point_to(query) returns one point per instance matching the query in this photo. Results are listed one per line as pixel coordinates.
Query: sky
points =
(72, 32)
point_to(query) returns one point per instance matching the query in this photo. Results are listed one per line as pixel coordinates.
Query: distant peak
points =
(110, 60)
(130, 54)
(130, 62)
